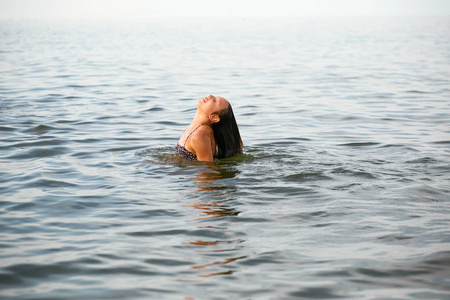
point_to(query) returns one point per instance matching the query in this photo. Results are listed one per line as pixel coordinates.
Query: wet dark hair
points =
(226, 134)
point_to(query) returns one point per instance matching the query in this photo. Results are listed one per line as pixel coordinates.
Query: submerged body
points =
(213, 132)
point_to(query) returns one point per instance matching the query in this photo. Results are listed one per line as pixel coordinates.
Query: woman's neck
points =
(200, 119)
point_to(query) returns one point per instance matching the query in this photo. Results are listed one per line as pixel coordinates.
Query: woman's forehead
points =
(223, 102)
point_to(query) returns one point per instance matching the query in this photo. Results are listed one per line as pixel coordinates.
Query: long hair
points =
(226, 134)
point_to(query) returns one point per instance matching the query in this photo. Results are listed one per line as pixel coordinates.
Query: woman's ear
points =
(214, 118)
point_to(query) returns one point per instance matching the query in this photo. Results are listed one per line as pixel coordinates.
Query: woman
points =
(213, 132)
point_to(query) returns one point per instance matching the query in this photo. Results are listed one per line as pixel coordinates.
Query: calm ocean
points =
(343, 190)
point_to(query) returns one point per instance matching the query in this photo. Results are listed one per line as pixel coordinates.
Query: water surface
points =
(342, 190)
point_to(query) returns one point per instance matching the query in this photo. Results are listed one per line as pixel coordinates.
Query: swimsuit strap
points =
(190, 134)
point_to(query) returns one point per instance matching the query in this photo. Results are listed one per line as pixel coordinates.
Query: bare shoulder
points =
(202, 143)
(203, 132)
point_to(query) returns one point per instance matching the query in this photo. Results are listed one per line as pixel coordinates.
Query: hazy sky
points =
(13, 9)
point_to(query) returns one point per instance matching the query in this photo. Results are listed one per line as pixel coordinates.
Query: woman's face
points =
(211, 104)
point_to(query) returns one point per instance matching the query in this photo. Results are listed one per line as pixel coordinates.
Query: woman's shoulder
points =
(205, 128)
(202, 132)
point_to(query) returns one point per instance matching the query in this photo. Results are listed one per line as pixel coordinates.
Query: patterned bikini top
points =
(183, 152)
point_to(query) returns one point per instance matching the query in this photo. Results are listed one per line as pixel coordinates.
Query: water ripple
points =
(341, 191)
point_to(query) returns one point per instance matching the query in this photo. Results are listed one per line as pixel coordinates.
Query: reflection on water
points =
(214, 209)
(225, 261)
(212, 204)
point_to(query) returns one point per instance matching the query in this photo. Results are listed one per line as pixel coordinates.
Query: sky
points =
(131, 9)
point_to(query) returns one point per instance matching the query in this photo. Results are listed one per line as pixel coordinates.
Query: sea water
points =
(342, 191)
